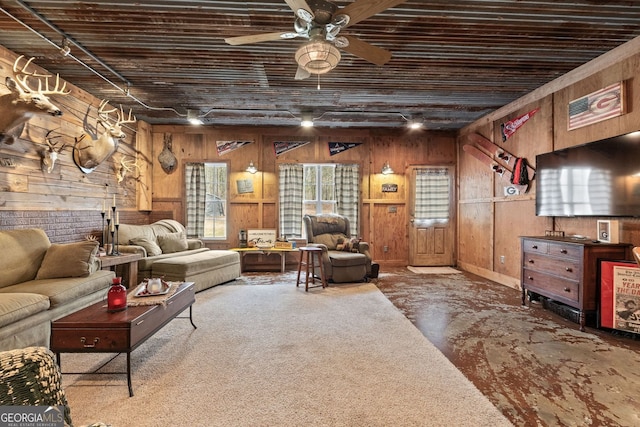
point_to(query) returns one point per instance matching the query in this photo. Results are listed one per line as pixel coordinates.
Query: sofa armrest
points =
(133, 249)
(195, 243)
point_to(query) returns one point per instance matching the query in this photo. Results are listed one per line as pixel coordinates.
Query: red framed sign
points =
(620, 295)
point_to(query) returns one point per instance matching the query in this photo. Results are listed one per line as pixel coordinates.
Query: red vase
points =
(117, 296)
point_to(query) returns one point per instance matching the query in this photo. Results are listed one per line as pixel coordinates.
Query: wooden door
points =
(431, 222)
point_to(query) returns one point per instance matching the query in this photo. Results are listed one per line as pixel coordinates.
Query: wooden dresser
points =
(565, 270)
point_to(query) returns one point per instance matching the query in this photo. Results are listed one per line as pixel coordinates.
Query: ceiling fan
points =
(321, 21)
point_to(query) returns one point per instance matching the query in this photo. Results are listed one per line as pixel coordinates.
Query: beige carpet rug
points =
(433, 270)
(277, 356)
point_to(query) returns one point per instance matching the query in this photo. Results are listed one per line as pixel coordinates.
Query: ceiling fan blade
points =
(302, 74)
(368, 52)
(298, 4)
(257, 38)
(362, 9)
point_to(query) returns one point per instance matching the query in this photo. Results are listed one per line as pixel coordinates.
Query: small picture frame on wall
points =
(608, 231)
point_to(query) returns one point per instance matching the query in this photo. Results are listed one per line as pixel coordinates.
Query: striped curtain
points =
(291, 181)
(195, 198)
(432, 194)
(348, 194)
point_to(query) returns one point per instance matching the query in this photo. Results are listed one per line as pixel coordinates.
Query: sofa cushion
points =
(330, 240)
(18, 246)
(64, 291)
(150, 246)
(76, 259)
(17, 306)
(185, 266)
(173, 242)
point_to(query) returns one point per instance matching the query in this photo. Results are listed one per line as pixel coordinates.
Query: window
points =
(206, 195)
(319, 189)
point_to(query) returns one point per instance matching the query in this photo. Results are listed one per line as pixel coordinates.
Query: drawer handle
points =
(83, 340)
(569, 269)
(530, 278)
(531, 261)
(563, 251)
(567, 290)
(534, 246)
(140, 322)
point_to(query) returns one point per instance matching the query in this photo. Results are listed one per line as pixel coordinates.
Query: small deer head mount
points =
(50, 154)
(124, 167)
(88, 153)
(23, 101)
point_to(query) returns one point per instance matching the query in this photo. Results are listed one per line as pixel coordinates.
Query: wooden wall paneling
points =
(144, 183)
(476, 234)
(630, 122)
(391, 231)
(564, 138)
(441, 148)
(172, 185)
(508, 228)
(244, 217)
(476, 180)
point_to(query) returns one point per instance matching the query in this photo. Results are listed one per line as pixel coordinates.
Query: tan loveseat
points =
(41, 282)
(169, 254)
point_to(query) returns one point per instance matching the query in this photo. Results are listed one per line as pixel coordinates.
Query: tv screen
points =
(601, 178)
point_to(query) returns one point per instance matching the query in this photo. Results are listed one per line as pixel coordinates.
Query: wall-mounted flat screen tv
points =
(601, 178)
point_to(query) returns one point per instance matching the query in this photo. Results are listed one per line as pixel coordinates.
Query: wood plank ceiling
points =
(452, 62)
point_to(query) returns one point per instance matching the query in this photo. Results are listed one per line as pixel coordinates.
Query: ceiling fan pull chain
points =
(318, 81)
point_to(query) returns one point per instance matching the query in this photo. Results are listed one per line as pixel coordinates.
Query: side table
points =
(308, 253)
(265, 251)
(109, 262)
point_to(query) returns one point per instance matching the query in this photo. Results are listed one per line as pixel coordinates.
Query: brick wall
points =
(65, 226)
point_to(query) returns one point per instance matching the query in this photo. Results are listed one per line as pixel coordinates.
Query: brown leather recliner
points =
(345, 258)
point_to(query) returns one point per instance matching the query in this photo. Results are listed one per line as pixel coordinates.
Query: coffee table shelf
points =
(95, 330)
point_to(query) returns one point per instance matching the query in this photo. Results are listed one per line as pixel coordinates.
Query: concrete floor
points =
(534, 365)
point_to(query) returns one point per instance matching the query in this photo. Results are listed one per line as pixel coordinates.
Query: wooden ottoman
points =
(206, 269)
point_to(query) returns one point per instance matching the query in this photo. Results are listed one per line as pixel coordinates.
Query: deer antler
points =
(126, 166)
(104, 114)
(52, 145)
(22, 75)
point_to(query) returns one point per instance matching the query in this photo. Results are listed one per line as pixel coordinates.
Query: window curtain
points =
(432, 194)
(196, 196)
(291, 181)
(348, 193)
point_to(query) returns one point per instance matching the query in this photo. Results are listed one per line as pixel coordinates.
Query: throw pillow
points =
(172, 242)
(348, 245)
(151, 247)
(68, 260)
(329, 240)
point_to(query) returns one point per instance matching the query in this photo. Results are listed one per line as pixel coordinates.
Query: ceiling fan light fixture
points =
(318, 56)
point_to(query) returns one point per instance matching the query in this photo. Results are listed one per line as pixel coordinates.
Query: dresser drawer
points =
(535, 246)
(554, 287)
(89, 340)
(565, 250)
(567, 268)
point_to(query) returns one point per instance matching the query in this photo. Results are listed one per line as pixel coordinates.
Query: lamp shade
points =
(317, 56)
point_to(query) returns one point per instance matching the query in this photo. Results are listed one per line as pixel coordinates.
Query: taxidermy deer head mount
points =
(89, 153)
(50, 154)
(124, 167)
(23, 102)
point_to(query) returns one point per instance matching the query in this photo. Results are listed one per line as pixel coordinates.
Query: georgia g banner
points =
(510, 127)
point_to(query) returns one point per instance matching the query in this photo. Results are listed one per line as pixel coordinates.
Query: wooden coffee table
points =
(94, 330)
